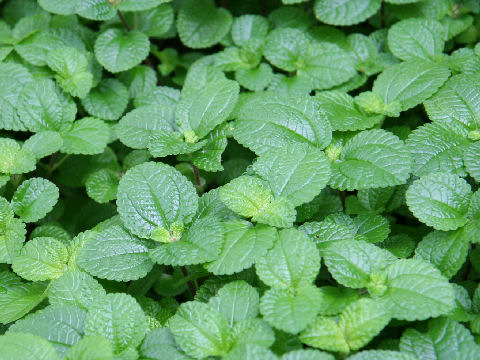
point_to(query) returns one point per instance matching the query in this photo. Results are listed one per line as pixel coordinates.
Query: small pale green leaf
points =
(34, 198)
(88, 136)
(43, 143)
(107, 101)
(14, 159)
(94, 347)
(102, 185)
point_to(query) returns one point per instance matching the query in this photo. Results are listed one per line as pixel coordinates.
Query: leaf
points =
(59, 7)
(334, 299)
(456, 102)
(243, 245)
(161, 144)
(293, 262)
(307, 354)
(160, 343)
(14, 159)
(470, 159)
(61, 325)
(88, 136)
(236, 301)
(42, 258)
(246, 195)
(249, 352)
(200, 330)
(34, 198)
(139, 5)
(95, 10)
(255, 79)
(296, 172)
(438, 147)
(91, 348)
(249, 28)
(209, 158)
(446, 250)
(280, 213)
(445, 339)
(440, 200)
(252, 331)
(107, 101)
(17, 298)
(102, 185)
(43, 143)
(355, 263)
(41, 107)
(345, 12)
(358, 323)
(137, 127)
(26, 347)
(416, 290)
(12, 237)
(71, 66)
(381, 355)
(371, 159)
(119, 318)
(285, 46)
(117, 51)
(410, 83)
(267, 121)
(342, 112)
(115, 254)
(290, 311)
(153, 195)
(202, 112)
(416, 38)
(75, 288)
(201, 25)
(200, 243)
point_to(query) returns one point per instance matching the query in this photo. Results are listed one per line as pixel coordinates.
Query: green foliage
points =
(278, 180)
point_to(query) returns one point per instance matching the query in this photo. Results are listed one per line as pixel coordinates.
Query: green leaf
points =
(14, 159)
(445, 339)
(118, 51)
(438, 147)
(202, 112)
(249, 28)
(119, 318)
(115, 254)
(255, 79)
(345, 12)
(62, 325)
(26, 347)
(12, 237)
(34, 198)
(243, 245)
(93, 347)
(200, 330)
(43, 143)
(42, 258)
(71, 66)
(138, 128)
(416, 38)
(297, 172)
(288, 310)
(456, 102)
(154, 22)
(17, 298)
(75, 288)
(270, 121)
(358, 323)
(381, 355)
(342, 112)
(209, 158)
(252, 331)
(95, 9)
(159, 343)
(246, 195)
(139, 5)
(280, 213)
(201, 25)
(42, 107)
(446, 250)
(416, 290)
(410, 83)
(236, 301)
(440, 200)
(153, 195)
(59, 7)
(293, 262)
(88, 136)
(102, 185)
(470, 159)
(307, 354)
(356, 263)
(334, 299)
(371, 159)
(200, 243)
(107, 101)
(161, 144)
(285, 46)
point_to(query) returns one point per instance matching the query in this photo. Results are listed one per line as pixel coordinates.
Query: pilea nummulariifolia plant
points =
(239, 179)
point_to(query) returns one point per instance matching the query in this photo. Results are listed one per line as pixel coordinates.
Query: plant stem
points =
(190, 284)
(198, 181)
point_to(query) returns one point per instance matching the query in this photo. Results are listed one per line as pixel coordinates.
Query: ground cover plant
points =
(240, 179)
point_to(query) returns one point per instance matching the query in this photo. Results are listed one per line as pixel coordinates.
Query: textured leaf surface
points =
(440, 200)
(107, 101)
(152, 195)
(115, 254)
(372, 158)
(345, 12)
(26, 346)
